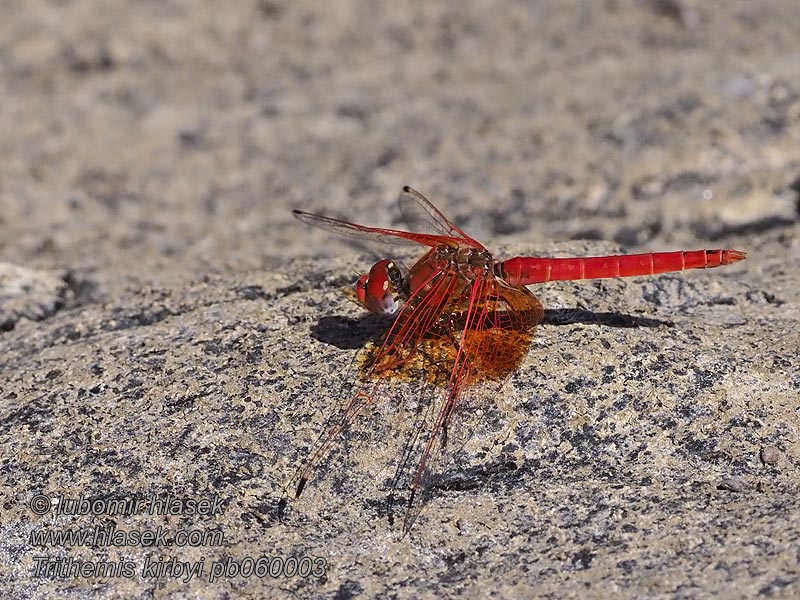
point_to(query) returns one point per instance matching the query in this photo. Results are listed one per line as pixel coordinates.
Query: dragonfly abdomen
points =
(525, 270)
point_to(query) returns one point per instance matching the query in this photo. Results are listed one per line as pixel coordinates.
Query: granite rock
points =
(172, 341)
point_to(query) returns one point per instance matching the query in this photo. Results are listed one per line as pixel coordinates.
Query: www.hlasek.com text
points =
(110, 535)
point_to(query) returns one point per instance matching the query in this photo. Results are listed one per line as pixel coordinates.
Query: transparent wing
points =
(429, 226)
(496, 329)
(378, 235)
(421, 215)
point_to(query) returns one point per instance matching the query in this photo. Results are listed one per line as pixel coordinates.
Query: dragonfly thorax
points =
(471, 263)
(448, 267)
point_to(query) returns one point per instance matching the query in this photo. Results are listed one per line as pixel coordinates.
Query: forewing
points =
(397, 356)
(496, 331)
(372, 235)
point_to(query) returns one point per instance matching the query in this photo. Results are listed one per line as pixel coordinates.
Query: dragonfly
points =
(462, 315)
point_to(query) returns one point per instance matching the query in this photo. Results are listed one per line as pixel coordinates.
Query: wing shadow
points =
(570, 316)
(347, 333)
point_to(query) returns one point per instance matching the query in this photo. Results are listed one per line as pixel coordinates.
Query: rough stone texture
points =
(168, 328)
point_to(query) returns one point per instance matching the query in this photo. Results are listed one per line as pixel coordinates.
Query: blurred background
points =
(146, 139)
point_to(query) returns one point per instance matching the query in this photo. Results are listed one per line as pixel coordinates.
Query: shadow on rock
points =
(349, 334)
(570, 316)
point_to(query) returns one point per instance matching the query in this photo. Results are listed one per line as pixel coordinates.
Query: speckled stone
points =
(168, 332)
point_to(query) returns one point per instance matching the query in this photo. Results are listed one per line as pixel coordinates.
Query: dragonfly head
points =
(379, 291)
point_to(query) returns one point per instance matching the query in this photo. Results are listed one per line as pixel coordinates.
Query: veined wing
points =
(397, 350)
(495, 332)
(420, 214)
(375, 234)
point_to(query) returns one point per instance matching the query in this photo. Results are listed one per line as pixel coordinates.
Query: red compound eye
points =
(377, 291)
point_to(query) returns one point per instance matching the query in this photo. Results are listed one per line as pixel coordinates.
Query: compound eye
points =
(361, 289)
(376, 291)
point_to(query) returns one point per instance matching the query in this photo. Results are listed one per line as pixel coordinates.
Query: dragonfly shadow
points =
(349, 334)
(570, 316)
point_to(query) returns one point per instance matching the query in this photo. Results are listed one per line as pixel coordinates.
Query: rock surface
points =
(168, 332)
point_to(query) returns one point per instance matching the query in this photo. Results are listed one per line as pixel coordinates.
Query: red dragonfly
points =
(473, 315)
